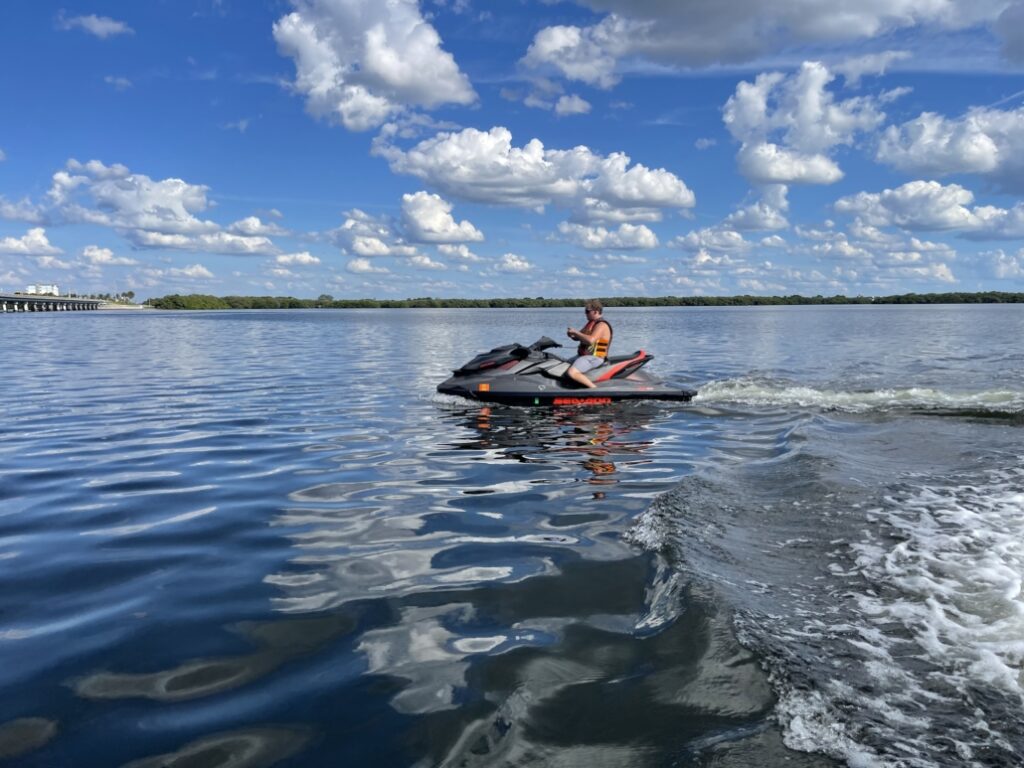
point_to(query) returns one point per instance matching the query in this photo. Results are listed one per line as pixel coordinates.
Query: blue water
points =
(262, 538)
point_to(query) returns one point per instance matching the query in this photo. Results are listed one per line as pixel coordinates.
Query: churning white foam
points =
(938, 627)
(902, 646)
(953, 578)
(650, 530)
(767, 393)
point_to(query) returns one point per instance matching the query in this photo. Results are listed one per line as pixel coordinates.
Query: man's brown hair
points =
(594, 304)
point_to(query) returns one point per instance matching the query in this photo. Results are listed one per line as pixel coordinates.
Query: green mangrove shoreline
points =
(202, 301)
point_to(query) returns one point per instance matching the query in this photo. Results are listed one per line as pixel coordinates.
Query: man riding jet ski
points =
(595, 338)
(519, 375)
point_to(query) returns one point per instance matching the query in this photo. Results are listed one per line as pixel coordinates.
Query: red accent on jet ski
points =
(618, 367)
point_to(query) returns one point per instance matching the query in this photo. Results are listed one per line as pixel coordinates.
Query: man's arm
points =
(591, 338)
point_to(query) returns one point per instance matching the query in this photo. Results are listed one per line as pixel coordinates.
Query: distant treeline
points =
(201, 301)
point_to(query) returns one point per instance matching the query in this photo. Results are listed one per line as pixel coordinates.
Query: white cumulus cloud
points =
(105, 257)
(254, 226)
(484, 166)
(1005, 265)
(626, 237)
(769, 213)
(620, 258)
(787, 125)
(371, 246)
(193, 271)
(588, 55)
(511, 262)
(227, 243)
(428, 218)
(369, 236)
(713, 239)
(99, 26)
(590, 209)
(766, 163)
(215, 242)
(986, 142)
(422, 261)
(32, 243)
(23, 210)
(150, 213)
(704, 260)
(459, 252)
(305, 258)
(841, 248)
(929, 205)
(52, 262)
(940, 272)
(364, 61)
(571, 105)
(363, 267)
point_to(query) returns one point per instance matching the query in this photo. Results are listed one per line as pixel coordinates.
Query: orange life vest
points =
(599, 347)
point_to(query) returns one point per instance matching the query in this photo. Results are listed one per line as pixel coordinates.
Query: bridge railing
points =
(26, 302)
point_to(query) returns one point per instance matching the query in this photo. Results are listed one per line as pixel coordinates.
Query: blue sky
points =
(363, 148)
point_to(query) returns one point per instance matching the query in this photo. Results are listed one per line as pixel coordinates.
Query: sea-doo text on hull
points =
(519, 375)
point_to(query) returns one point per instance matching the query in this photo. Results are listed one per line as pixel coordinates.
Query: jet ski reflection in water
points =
(519, 375)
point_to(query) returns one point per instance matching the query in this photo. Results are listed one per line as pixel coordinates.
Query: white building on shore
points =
(43, 290)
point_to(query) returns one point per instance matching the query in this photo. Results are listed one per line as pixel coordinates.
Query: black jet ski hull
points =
(559, 396)
(518, 375)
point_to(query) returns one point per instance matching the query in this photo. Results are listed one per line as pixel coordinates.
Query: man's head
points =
(593, 308)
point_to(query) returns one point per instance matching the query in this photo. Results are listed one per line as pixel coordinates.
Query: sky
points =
(462, 148)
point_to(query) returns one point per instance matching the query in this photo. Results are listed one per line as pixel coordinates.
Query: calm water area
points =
(241, 539)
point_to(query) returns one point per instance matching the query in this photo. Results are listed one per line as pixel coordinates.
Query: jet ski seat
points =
(620, 358)
(619, 365)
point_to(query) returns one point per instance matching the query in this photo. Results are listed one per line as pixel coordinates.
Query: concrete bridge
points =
(30, 302)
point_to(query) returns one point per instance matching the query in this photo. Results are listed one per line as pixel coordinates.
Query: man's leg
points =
(580, 378)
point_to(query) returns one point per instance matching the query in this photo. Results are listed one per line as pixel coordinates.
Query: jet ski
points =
(520, 375)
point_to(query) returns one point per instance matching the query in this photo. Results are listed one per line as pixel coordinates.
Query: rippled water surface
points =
(261, 538)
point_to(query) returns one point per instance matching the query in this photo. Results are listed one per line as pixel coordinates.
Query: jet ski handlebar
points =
(544, 343)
